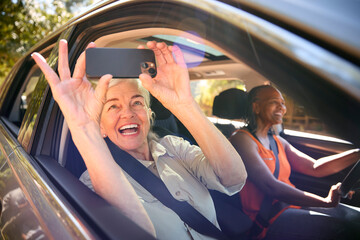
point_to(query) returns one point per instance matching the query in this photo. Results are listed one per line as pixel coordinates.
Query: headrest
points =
(160, 111)
(230, 104)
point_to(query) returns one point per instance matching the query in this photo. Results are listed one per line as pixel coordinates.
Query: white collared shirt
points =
(187, 175)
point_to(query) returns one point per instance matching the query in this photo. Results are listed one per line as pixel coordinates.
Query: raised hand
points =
(171, 84)
(78, 101)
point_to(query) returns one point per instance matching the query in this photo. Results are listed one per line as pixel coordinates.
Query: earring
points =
(104, 135)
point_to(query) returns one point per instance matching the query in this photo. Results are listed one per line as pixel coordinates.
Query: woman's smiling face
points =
(270, 108)
(125, 118)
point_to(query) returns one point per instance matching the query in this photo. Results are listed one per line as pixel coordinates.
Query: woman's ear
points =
(151, 116)
(102, 131)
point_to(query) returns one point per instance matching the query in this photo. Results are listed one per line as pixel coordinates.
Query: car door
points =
(317, 146)
(30, 204)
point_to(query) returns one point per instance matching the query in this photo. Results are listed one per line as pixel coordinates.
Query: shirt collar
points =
(157, 150)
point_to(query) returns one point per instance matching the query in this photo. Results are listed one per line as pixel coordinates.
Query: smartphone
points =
(119, 62)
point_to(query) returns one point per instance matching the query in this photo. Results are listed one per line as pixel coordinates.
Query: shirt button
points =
(177, 193)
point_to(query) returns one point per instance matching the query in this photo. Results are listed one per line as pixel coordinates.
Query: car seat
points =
(229, 104)
(165, 122)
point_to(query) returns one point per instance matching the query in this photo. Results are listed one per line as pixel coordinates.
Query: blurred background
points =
(25, 22)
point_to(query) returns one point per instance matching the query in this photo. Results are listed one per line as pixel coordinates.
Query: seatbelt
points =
(263, 216)
(267, 209)
(157, 188)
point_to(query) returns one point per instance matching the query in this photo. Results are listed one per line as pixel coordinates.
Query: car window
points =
(205, 91)
(22, 100)
(298, 118)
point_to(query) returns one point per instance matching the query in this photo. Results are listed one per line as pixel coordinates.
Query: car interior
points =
(206, 62)
(212, 64)
(203, 64)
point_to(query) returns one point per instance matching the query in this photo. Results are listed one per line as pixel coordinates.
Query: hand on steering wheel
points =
(334, 196)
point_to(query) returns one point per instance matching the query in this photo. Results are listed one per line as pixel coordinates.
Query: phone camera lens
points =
(152, 71)
(144, 65)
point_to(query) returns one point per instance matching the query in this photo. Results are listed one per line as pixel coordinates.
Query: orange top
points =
(251, 196)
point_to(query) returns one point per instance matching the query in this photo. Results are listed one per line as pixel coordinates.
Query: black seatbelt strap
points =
(157, 188)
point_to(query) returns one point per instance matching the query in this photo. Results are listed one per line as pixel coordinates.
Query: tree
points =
(25, 22)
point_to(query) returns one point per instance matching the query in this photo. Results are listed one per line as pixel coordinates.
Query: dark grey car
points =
(310, 50)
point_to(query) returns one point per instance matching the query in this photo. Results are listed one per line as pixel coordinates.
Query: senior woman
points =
(266, 107)
(121, 112)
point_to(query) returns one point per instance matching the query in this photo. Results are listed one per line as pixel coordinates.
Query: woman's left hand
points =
(334, 195)
(171, 85)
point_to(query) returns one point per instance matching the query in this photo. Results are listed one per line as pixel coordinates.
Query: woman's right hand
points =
(78, 101)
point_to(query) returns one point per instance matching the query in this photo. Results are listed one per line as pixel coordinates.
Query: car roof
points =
(331, 24)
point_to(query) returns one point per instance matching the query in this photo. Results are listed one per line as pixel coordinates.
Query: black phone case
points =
(119, 62)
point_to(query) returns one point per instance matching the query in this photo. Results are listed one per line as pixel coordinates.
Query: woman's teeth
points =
(129, 129)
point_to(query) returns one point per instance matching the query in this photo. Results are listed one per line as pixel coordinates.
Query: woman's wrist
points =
(184, 108)
(89, 132)
(329, 203)
(91, 126)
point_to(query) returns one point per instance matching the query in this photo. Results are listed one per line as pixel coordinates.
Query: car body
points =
(309, 50)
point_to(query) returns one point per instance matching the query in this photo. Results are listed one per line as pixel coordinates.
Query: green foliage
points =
(23, 23)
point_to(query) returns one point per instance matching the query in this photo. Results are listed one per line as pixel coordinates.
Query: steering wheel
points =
(350, 180)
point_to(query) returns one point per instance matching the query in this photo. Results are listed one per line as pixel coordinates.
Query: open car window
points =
(24, 97)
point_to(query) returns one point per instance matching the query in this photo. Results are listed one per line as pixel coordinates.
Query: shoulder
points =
(241, 133)
(174, 146)
(173, 141)
(242, 137)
